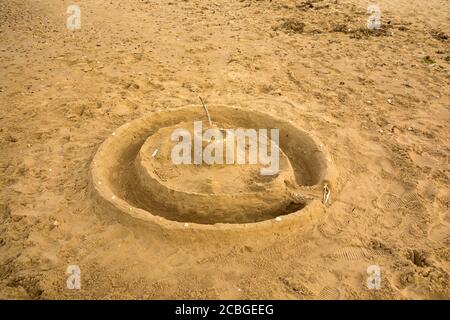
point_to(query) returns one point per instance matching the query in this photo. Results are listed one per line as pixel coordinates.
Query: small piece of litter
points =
(186, 224)
(326, 194)
(155, 153)
(278, 219)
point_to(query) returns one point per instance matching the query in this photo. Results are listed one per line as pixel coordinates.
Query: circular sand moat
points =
(168, 170)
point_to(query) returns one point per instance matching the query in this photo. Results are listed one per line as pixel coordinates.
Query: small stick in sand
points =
(207, 112)
(326, 194)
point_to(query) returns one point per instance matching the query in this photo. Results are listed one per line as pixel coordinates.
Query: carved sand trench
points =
(134, 179)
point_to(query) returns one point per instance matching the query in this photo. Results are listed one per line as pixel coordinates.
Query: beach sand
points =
(377, 100)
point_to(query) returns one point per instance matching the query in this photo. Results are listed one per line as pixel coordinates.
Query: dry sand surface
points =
(377, 100)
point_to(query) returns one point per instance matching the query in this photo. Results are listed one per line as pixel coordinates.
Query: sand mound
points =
(134, 174)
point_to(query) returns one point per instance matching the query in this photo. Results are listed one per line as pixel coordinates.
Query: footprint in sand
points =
(328, 293)
(440, 233)
(351, 253)
(394, 208)
(329, 230)
(389, 201)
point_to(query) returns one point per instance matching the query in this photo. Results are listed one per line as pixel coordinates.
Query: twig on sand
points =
(207, 112)
(326, 194)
